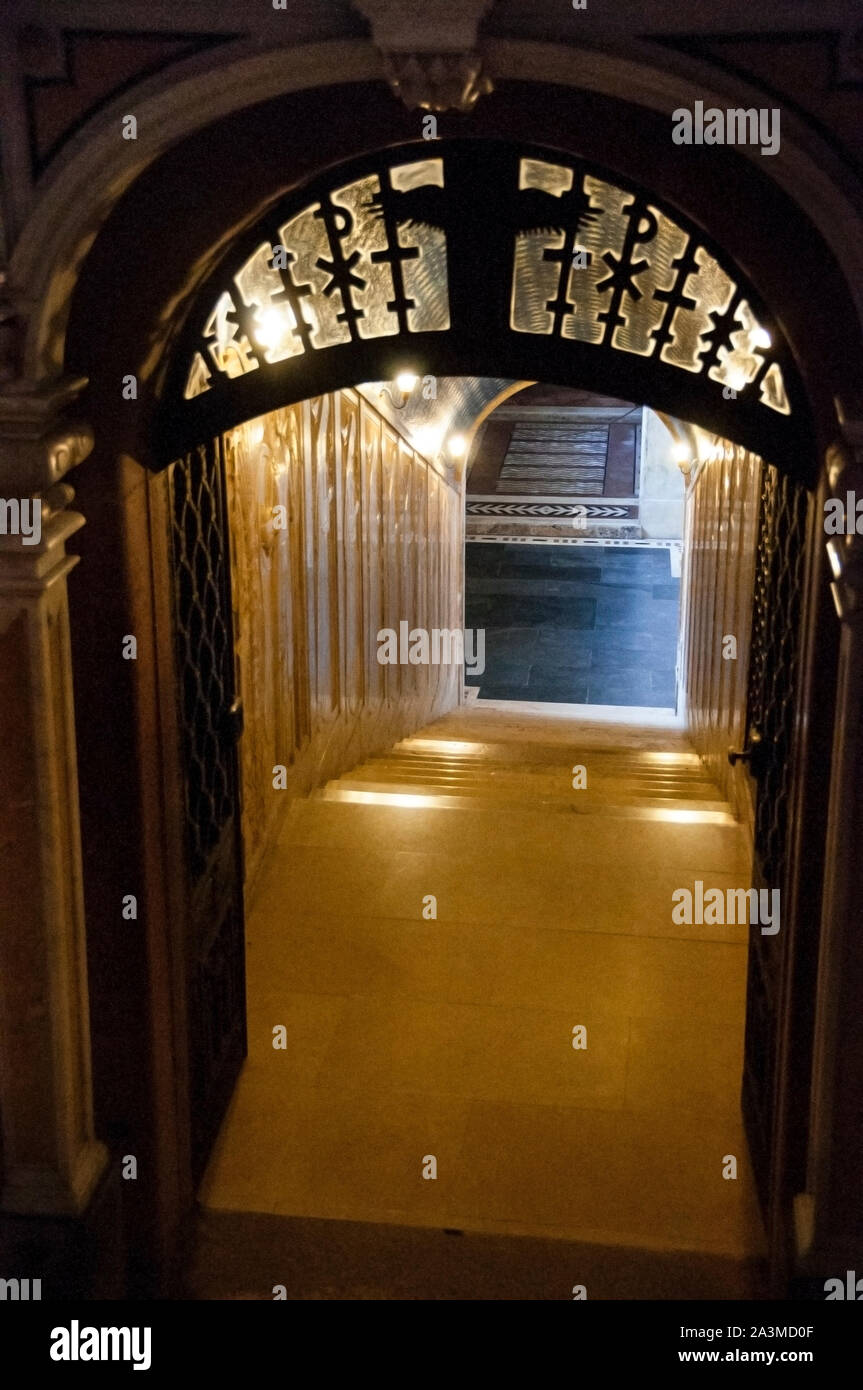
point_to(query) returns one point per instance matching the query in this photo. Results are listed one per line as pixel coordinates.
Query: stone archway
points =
(485, 259)
(93, 173)
(62, 241)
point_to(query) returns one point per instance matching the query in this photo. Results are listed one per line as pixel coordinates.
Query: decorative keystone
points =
(429, 51)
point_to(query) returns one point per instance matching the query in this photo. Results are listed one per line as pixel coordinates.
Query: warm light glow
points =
(457, 446)
(454, 745)
(270, 328)
(672, 759)
(406, 381)
(680, 453)
(427, 439)
(407, 799)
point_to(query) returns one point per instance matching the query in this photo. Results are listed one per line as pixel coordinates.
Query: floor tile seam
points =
(575, 929)
(465, 857)
(495, 924)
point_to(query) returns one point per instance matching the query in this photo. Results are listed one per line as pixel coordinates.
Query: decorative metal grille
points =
(612, 269)
(773, 670)
(205, 680)
(772, 702)
(368, 259)
(203, 648)
(485, 245)
(343, 269)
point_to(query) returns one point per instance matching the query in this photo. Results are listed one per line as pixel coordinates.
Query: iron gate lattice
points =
(215, 963)
(204, 648)
(774, 662)
(774, 676)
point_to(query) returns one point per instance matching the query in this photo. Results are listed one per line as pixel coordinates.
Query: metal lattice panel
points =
(343, 269)
(773, 672)
(485, 247)
(368, 260)
(203, 647)
(772, 701)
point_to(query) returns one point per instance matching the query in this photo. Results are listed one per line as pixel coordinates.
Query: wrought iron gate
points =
(774, 676)
(210, 720)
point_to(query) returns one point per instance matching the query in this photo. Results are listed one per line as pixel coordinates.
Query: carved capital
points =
(37, 446)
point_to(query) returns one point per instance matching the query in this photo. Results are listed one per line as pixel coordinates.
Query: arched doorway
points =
(392, 260)
(131, 437)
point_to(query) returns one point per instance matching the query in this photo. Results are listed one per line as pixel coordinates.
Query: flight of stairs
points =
(617, 780)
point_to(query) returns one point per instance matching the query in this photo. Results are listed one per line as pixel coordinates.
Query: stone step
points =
(528, 751)
(530, 789)
(611, 766)
(604, 767)
(532, 773)
(538, 830)
(579, 803)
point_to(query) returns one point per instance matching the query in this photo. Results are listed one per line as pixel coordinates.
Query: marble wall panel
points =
(722, 505)
(338, 529)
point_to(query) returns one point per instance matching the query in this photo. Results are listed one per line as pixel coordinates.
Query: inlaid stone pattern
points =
(611, 511)
(547, 459)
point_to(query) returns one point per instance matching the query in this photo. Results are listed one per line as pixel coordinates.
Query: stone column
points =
(51, 1161)
(829, 1216)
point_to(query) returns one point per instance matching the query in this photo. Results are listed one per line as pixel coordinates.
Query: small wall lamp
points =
(405, 383)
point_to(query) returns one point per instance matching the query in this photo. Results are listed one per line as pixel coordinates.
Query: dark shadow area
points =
(242, 1255)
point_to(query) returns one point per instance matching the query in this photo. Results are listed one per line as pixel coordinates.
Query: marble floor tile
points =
(599, 615)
